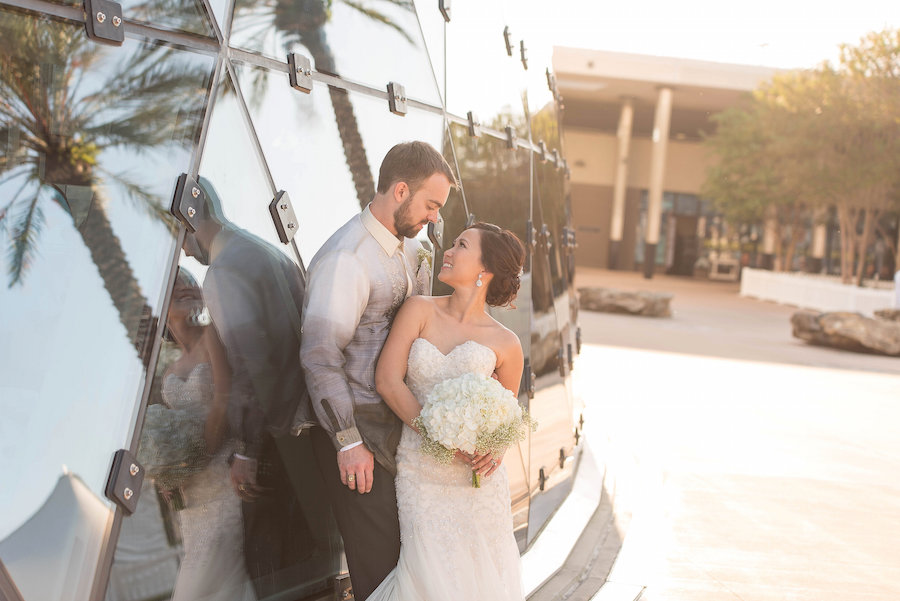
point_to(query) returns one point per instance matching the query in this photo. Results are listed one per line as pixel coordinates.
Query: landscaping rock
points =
(888, 314)
(609, 300)
(848, 331)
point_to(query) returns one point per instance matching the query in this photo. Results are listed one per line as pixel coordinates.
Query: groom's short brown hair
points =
(413, 163)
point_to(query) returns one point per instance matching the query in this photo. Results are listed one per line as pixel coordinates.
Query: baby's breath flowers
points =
(472, 413)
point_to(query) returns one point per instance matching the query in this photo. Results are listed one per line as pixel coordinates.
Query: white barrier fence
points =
(813, 292)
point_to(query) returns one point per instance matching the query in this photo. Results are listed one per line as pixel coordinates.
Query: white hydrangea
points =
(471, 412)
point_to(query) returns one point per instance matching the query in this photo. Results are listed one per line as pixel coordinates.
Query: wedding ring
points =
(351, 477)
(493, 463)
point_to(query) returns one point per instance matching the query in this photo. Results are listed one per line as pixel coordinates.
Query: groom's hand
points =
(358, 462)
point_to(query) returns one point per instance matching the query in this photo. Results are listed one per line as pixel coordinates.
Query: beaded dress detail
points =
(456, 541)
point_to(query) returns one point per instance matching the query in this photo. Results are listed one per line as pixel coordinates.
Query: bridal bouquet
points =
(471, 413)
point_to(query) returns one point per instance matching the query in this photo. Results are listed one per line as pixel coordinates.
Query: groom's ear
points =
(401, 192)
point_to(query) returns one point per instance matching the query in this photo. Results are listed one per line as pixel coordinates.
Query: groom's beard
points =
(403, 223)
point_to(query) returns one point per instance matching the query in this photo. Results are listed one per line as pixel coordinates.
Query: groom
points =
(357, 282)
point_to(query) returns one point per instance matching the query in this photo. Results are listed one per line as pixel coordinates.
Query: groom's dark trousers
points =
(368, 523)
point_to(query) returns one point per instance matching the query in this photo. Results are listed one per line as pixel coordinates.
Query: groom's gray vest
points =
(356, 284)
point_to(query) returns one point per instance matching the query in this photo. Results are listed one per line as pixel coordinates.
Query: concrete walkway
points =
(746, 465)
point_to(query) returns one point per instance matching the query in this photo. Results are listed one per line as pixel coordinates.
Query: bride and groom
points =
(373, 347)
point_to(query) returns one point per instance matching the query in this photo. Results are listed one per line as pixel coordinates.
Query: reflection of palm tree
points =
(55, 134)
(303, 22)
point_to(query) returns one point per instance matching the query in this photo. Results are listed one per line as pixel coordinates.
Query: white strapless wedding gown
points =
(457, 541)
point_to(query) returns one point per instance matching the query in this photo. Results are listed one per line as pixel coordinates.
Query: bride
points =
(456, 541)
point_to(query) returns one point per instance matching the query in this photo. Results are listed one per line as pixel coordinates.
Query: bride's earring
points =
(478, 282)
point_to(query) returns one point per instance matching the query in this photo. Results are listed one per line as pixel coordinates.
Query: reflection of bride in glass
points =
(186, 453)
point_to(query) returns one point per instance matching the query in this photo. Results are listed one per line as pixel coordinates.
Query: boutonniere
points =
(425, 258)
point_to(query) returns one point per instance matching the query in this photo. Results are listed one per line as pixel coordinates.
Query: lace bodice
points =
(428, 365)
(192, 393)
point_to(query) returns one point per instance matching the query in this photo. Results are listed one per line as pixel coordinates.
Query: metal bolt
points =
(101, 17)
(291, 225)
(195, 191)
(284, 206)
(128, 494)
(134, 469)
(191, 211)
(117, 20)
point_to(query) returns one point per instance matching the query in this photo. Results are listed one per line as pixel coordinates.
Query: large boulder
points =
(609, 300)
(849, 331)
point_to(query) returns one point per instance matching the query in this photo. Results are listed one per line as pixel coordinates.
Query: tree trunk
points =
(871, 215)
(848, 235)
(796, 230)
(348, 127)
(117, 275)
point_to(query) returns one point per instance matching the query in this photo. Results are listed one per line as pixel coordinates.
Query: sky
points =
(775, 33)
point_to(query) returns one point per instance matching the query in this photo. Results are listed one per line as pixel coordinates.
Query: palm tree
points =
(303, 22)
(55, 136)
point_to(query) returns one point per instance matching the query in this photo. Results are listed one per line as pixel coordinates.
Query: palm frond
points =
(24, 235)
(381, 17)
(150, 204)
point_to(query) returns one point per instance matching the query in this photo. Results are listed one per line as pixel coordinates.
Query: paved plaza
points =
(743, 464)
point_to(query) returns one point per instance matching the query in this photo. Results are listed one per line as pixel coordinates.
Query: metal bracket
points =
(562, 458)
(474, 125)
(561, 362)
(578, 340)
(530, 235)
(542, 151)
(530, 379)
(507, 37)
(577, 436)
(436, 233)
(542, 479)
(512, 139)
(470, 220)
(554, 158)
(300, 72)
(551, 83)
(396, 98)
(570, 357)
(524, 53)
(444, 6)
(282, 212)
(187, 201)
(103, 22)
(125, 480)
(545, 236)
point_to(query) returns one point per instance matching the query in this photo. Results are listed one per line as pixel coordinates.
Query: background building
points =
(632, 127)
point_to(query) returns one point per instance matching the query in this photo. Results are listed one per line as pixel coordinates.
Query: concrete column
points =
(617, 226)
(657, 171)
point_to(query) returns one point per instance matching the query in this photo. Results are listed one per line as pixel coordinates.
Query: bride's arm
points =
(392, 363)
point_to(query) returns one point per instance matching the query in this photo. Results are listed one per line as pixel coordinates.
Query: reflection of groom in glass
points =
(254, 293)
(357, 282)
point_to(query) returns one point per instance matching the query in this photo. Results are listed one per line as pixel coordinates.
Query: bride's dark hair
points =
(503, 255)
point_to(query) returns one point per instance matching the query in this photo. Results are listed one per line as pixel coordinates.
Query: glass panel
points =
(89, 152)
(184, 15)
(496, 184)
(552, 405)
(432, 23)
(481, 76)
(222, 10)
(332, 33)
(329, 171)
(187, 15)
(228, 381)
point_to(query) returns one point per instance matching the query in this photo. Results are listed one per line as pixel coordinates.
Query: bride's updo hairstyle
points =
(503, 255)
